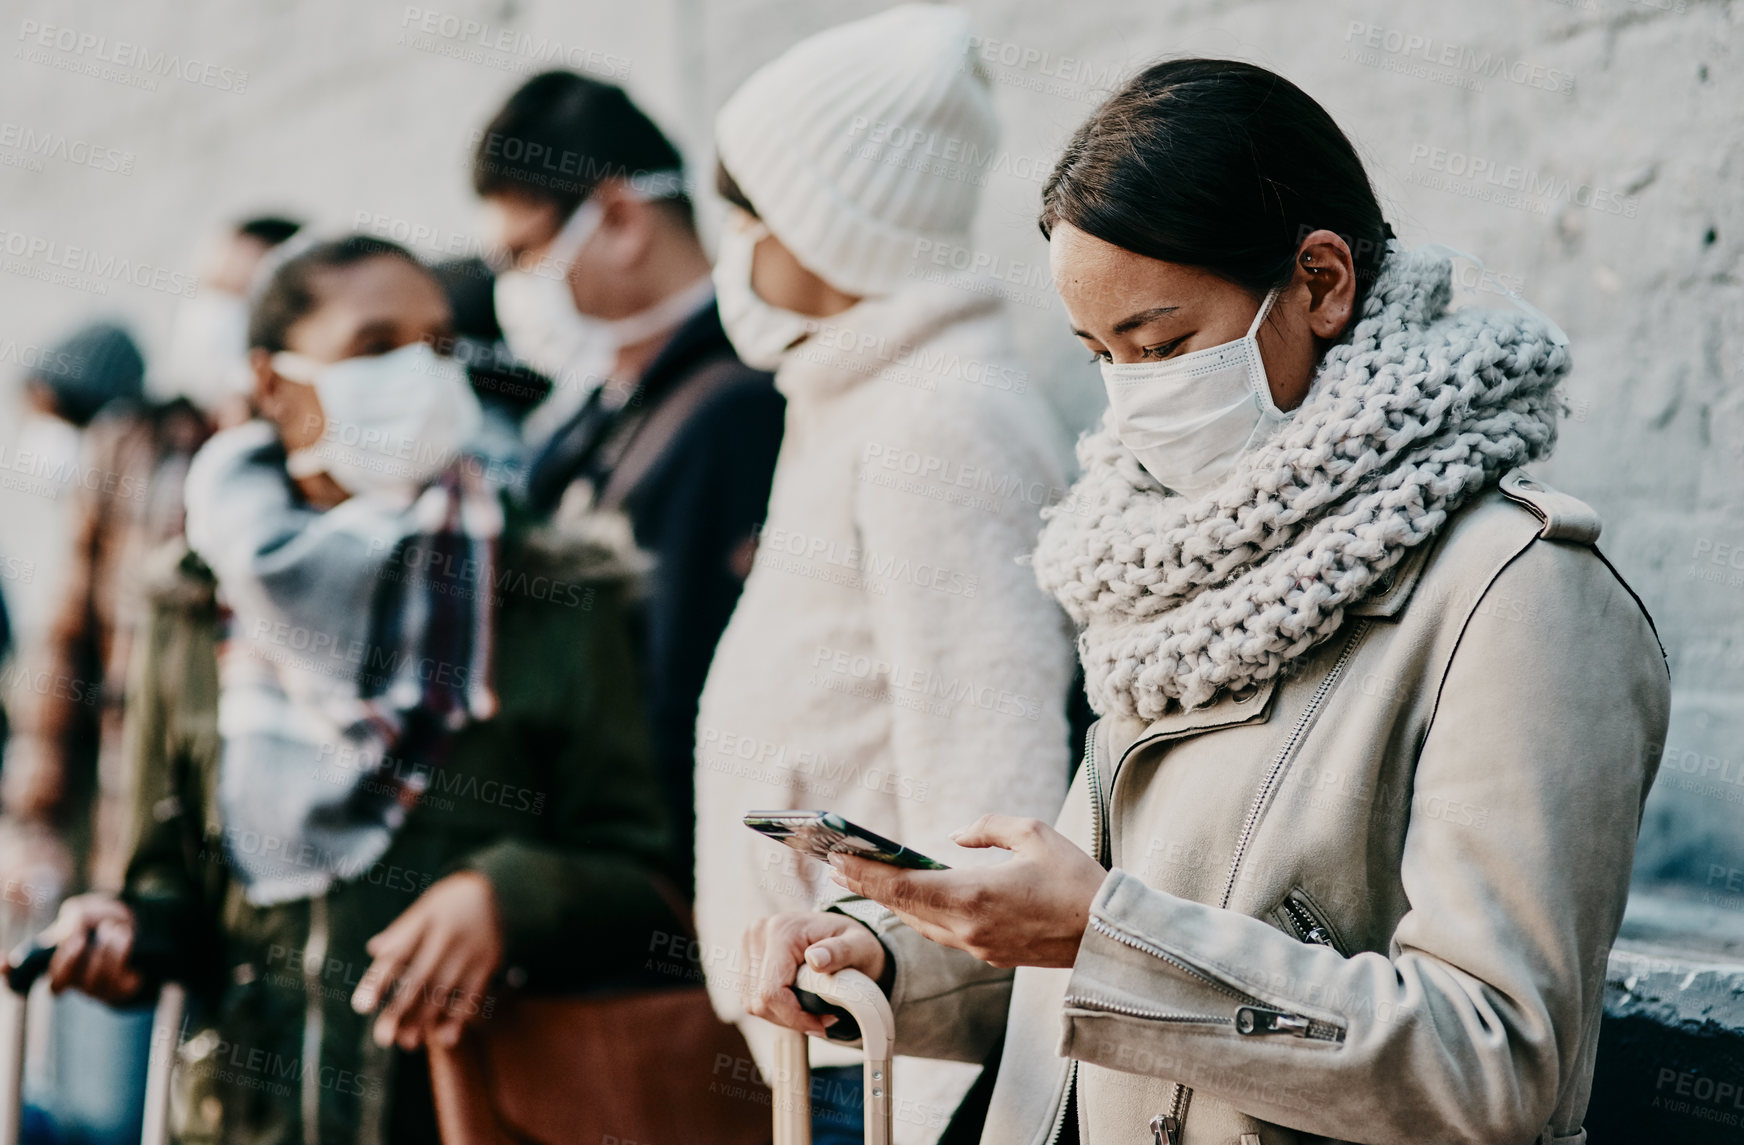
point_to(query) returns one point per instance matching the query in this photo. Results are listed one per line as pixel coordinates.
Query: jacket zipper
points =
(1094, 780)
(314, 1019)
(1253, 1017)
(1308, 926)
(1103, 1006)
(1167, 1127)
(1065, 1103)
(1283, 757)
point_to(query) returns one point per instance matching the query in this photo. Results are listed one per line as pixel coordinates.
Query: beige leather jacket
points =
(1371, 902)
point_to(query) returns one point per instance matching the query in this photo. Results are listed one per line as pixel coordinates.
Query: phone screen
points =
(822, 833)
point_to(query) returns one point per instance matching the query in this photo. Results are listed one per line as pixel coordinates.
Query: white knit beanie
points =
(862, 141)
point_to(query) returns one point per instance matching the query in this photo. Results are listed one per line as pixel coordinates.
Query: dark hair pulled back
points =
(1220, 165)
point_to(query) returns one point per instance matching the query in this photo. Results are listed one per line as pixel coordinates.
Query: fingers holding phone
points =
(1030, 910)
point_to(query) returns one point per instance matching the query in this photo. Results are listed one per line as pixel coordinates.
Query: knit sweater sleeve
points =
(977, 660)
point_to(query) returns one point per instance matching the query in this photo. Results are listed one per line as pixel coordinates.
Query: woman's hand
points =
(433, 963)
(774, 947)
(93, 937)
(1030, 911)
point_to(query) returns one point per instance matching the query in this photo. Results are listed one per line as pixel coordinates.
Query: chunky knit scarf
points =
(1416, 413)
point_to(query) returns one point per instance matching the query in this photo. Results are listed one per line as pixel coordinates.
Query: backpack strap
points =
(651, 436)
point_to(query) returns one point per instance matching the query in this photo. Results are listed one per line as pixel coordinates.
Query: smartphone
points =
(823, 833)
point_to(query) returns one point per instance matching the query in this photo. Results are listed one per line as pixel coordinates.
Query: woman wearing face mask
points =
(416, 762)
(891, 659)
(1351, 841)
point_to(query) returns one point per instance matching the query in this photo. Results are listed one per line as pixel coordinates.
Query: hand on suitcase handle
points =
(851, 993)
(30, 960)
(27, 962)
(866, 1004)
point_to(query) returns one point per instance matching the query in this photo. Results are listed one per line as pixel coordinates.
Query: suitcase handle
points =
(29, 961)
(24, 967)
(865, 1003)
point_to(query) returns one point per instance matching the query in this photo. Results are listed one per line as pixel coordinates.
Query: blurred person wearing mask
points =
(389, 753)
(890, 651)
(61, 390)
(102, 450)
(84, 437)
(507, 388)
(208, 352)
(650, 411)
(69, 768)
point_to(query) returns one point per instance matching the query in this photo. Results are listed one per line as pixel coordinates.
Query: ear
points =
(266, 383)
(627, 224)
(1325, 267)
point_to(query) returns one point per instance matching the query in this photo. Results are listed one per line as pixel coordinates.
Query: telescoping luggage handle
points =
(866, 1005)
(24, 967)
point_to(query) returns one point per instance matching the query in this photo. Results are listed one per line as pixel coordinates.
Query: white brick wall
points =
(1620, 126)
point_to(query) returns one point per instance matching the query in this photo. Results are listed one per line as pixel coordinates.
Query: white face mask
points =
(394, 421)
(53, 446)
(537, 310)
(208, 358)
(760, 333)
(577, 351)
(1189, 418)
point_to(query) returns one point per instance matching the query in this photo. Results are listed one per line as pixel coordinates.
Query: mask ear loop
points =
(570, 238)
(1263, 387)
(644, 186)
(292, 366)
(1265, 309)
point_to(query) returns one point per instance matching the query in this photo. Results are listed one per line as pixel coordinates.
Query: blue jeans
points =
(838, 1105)
(96, 1093)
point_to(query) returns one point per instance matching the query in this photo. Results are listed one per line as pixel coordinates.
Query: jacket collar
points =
(1254, 705)
(699, 337)
(1229, 709)
(573, 450)
(877, 335)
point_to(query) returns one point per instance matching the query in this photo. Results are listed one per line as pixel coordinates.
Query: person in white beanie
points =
(892, 658)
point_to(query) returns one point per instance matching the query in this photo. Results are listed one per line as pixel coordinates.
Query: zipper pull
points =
(1317, 934)
(1255, 1020)
(1166, 1130)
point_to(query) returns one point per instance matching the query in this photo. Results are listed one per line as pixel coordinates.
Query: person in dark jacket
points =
(650, 411)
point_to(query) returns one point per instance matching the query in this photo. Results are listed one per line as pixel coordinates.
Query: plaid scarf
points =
(359, 642)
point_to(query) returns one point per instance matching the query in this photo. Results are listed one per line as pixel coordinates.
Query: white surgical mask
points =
(537, 311)
(760, 333)
(394, 421)
(577, 351)
(208, 353)
(53, 446)
(1188, 419)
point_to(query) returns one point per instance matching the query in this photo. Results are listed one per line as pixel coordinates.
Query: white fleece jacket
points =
(891, 658)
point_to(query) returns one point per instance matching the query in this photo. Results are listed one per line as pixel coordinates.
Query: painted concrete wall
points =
(1591, 151)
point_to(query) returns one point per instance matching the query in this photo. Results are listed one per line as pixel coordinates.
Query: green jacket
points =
(553, 799)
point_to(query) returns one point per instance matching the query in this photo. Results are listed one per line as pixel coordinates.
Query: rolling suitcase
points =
(27, 966)
(854, 997)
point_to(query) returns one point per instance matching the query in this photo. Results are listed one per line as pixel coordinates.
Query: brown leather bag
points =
(648, 1067)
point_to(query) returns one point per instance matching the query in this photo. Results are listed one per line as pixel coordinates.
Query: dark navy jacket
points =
(695, 510)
